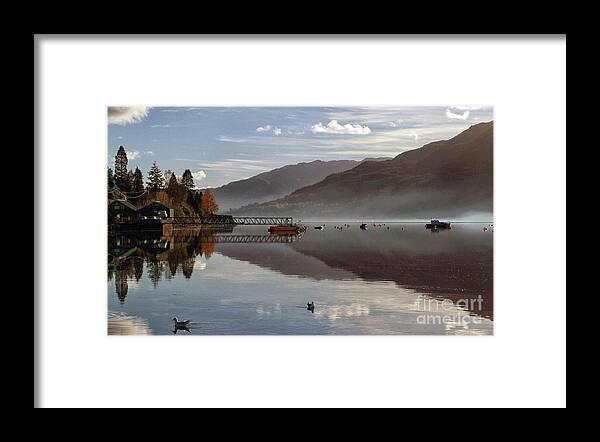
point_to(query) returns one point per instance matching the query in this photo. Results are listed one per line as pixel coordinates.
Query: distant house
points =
(156, 208)
(121, 211)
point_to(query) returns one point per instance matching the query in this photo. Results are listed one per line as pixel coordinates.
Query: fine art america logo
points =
(446, 312)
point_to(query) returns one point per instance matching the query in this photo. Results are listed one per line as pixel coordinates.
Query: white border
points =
(523, 365)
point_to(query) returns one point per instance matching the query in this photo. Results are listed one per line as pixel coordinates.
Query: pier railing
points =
(263, 220)
(250, 239)
(232, 220)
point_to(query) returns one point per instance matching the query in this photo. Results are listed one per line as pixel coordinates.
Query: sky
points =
(224, 144)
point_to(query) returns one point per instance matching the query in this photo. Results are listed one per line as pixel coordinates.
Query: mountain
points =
(278, 183)
(446, 179)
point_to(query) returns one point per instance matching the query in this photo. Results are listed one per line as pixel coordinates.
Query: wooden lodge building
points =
(123, 212)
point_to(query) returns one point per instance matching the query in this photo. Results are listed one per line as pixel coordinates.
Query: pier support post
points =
(167, 229)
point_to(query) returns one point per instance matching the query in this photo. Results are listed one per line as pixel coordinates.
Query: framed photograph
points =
(282, 221)
(300, 220)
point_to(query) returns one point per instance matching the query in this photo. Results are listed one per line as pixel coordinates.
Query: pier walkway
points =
(235, 220)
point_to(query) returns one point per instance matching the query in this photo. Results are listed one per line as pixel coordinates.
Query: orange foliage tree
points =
(209, 203)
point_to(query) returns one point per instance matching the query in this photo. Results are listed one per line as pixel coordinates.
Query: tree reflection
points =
(138, 265)
(121, 287)
(162, 257)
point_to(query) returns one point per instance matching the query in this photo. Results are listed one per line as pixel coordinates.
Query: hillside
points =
(277, 183)
(447, 178)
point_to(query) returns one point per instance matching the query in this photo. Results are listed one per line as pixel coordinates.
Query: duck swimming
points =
(181, 323)
(310, 306)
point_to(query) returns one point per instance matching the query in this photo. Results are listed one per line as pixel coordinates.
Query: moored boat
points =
(285, 230)
(437, 224)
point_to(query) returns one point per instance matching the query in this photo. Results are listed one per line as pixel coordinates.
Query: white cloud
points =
(333, 127)
(395, 123)
(238, 165)
(454, 116)
(467, 107)
(127, 114)
(225, 139)
(269, 128)
(132, 154)
(199, 175)
(136, 154)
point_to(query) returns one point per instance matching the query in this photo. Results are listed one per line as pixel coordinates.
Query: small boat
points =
(319, 227)
(363, 226)
(285, 230)
(437, 224)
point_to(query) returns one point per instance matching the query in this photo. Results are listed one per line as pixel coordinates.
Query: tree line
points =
(133, 182)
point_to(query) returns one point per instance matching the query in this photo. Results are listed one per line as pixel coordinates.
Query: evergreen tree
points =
(138, 181)
(197, 201)
(188, 180)
(167, 174)
(173, 184)
(130, 179)
(155, 178)
(121, 178)
(111, 179)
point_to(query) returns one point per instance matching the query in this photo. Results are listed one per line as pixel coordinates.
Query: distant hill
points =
(278, 183)
(447, 178)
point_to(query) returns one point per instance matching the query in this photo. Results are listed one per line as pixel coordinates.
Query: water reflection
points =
(124, 325)
(162, 256)
(181, 328)
(362, 282)
(454, 264)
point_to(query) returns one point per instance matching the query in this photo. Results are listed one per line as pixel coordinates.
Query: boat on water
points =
(437, 224)
(286, 230)
(319, 227)
(363, 226)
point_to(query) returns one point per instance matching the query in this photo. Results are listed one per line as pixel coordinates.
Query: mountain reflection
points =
(455, 265)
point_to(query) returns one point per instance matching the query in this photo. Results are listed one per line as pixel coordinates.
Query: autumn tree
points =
(155, 178)
(138, 181)
(209, 203)
(120, 175)
(188, 180)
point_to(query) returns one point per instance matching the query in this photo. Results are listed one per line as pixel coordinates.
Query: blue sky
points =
(224, 144)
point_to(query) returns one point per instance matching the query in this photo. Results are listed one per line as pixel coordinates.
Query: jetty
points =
(124, 217)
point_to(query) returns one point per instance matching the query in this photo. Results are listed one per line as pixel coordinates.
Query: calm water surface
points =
(397, 278)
